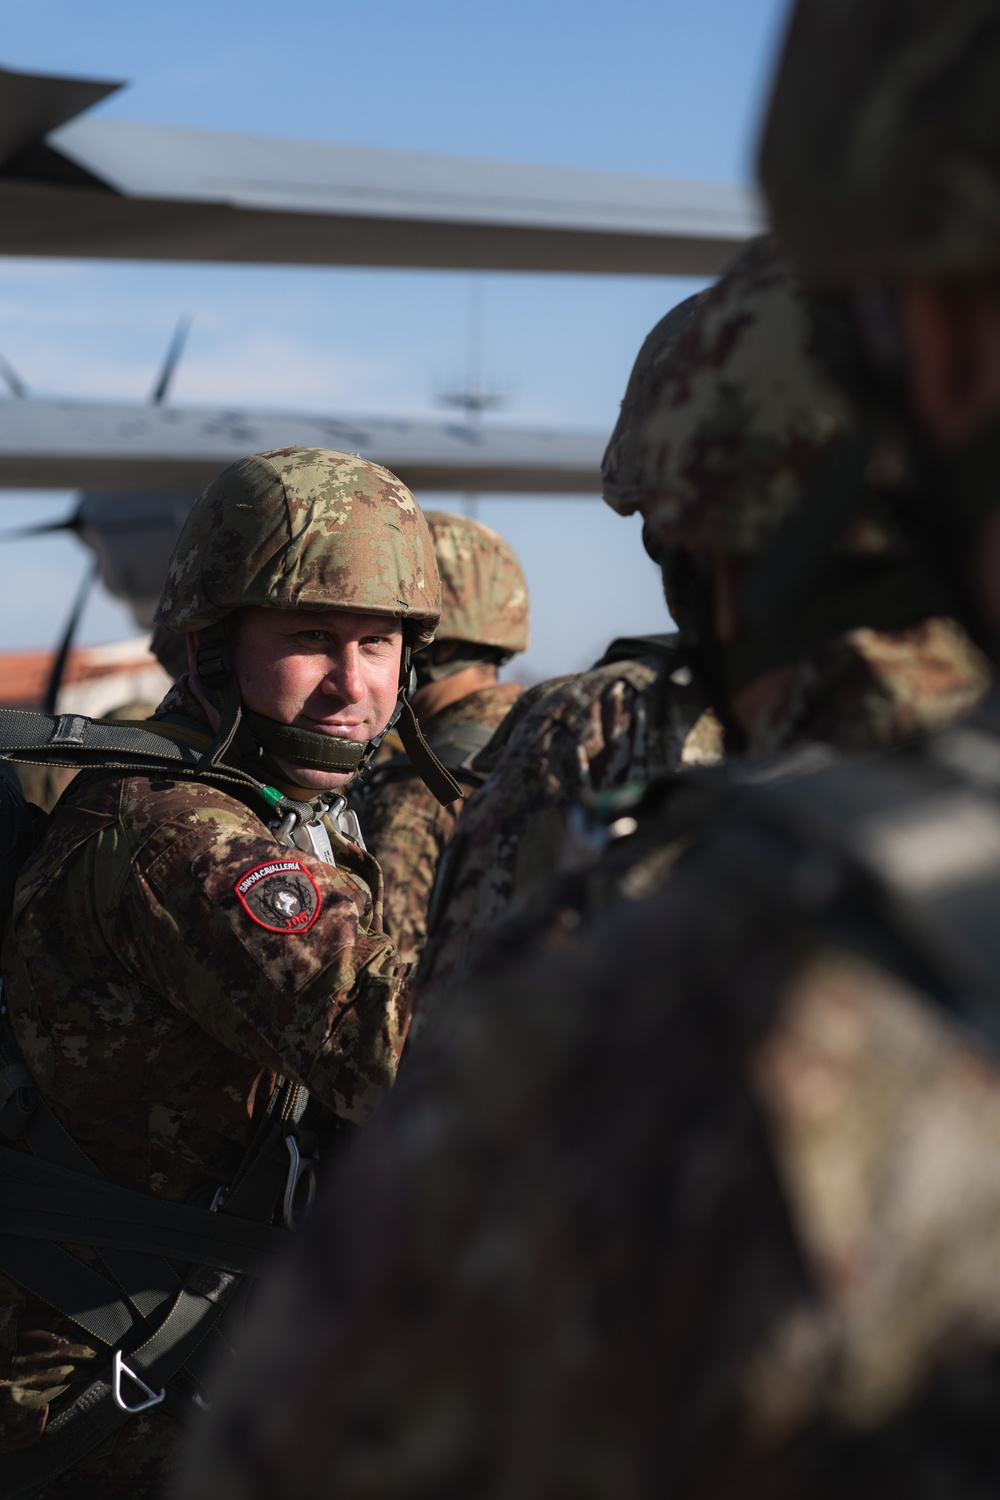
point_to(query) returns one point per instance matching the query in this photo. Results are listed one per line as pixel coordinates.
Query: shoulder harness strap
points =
(901, 851)
(157, 1326)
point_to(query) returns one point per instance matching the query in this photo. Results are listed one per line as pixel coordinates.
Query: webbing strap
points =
(455, 748)
(441, 782)
(659, 648)
(22, 731)
(86, 1297)
(95, 1415)
(188, 1337)
(88, 744)
(93, 1211)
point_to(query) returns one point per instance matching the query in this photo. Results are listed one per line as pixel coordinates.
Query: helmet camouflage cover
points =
(723, 421)
(484, 594)
(303, 528)
(881, 150)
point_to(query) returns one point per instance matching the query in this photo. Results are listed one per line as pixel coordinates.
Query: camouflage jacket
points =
(868, 689)
(159, 973)
(577, 736)
(406, 827)
(865, 691)
(707, 1206)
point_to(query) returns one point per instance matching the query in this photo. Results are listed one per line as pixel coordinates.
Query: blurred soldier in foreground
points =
(458, 703)
(721, 428)
(710, 1206)
(189, 960)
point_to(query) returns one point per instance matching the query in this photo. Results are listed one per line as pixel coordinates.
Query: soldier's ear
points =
(193, 642)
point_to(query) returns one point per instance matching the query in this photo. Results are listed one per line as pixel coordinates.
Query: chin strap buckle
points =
(212, 663)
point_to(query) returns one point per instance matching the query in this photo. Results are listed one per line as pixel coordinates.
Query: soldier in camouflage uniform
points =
(180, 947)
(712, 1206)
(634, 715)
(459, 703)
(724, 420)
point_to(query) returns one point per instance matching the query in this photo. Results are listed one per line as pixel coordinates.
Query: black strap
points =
(662, 649)
(455, 748)
(93, 1211)
(441, 782)
(74, 740)
(177, 1326)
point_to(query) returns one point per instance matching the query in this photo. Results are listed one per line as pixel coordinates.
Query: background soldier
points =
(458, 703)
(724, 422)
(188, 957)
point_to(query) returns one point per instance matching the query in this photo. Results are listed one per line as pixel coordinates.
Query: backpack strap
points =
(157, 1326)
(663, 649)
(898, 852)
(456, 749)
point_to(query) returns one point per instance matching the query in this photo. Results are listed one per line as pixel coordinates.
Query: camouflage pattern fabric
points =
(159, 975)
(484, 594)
(302, 528)
(865, 692)
(706, 1207)
(406, 827)
(881, 151)
(727, 414)
(871, 688)
(577, 737)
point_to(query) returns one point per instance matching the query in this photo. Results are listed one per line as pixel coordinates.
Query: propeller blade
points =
(12, 380)
(19, 533)
(69, 635)
(171, 362)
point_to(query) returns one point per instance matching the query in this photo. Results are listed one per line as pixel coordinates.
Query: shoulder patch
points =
(281, 896)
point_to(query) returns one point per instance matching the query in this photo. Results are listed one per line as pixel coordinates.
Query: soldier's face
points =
(331, 671)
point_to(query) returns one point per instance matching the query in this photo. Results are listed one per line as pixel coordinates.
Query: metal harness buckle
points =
(299, 1166)
(120, 1368)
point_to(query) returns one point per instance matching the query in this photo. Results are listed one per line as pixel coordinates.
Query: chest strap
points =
(160, 1328)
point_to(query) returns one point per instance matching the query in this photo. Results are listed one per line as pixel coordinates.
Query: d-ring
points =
(299, 1166)
(120, 1368)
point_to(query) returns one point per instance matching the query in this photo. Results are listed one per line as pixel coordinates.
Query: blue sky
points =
(668, 88)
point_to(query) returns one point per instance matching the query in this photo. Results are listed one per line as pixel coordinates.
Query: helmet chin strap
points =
(260, 738)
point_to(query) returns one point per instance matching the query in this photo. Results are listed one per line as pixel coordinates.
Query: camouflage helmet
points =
(725, 413)
(484, 594)
(624, 463)
(303, 528)
(880, 155)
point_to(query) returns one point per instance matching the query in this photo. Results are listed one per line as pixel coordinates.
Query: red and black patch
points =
(281, 896)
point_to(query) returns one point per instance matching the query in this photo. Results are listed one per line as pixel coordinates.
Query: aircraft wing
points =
(71, 185)
(120, 449)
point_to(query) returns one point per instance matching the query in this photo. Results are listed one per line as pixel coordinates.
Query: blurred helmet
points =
(303, 528)
(484, 595)
(725, 414)
(623, 467)
(737, 443)
(881, 150)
